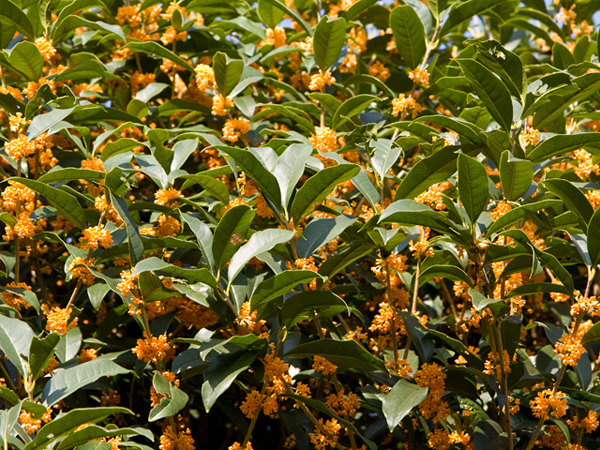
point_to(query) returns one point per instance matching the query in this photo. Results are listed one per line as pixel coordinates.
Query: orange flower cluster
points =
(433, 407)
(57, 319)
(96, 237)
(549, 402)
(154, 349)
(235, 128)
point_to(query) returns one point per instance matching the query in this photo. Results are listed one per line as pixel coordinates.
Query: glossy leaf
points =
(492, 91)
(231, 233)
(227, 72)
(516, 175)
(27, 59)
(303, 306)
(409, 34)
(279, 285)
(347, 355)
(318, 187)
(400, 401)
(472, 186)
(329, 38)
(15, 342)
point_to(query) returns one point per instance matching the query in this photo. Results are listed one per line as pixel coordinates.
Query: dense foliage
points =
(312, 225)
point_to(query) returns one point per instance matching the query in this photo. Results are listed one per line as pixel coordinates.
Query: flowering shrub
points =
(282, 225)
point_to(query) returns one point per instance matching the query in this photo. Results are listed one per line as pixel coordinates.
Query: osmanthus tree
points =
(312, 225)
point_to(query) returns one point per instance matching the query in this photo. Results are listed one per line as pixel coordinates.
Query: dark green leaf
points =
(12, 15)
(304, 305)
(472, 186)
(270, 15)
(346, 355)
(27, 59)
(173, 402)
(227, 72)
(409, 34)
(279, 285)
(59, 175)
(41, 352)
(562, 144)
(427, 172)
(593, 239)
(464, 11)
(491, 91)
(521, 213)
(318, 187)
(231, 233)
(158, 50)
(516, 175)
(573, 199)
(329, 38)
(223, 371)
(65, 203)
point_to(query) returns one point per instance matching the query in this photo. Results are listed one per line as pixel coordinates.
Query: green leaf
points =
(519, 213)
(65, 203)
(192, 276)
(409, 35)
(561, 144)
(329, 38)
(409, 212)
(170, 405)
(249, 163)
(319, 232)
(259, 242)
(304, 305)
(516, 175)
(69, 24)
(573, 199)
(119, 146)
(357, 8)
(223, 371)
(593, 239)
(67, 423)
(26, 295)
(444, 271)
(351, 108)
(214, 187)
(270, 15)
(289, 168)
(551, 105)
(27, 59)
(227, 72)
(427, 172)
(231, 233)
(158, 50)
(203, 235)
(343, 258)
(15, 340)
(480, 301)
(491, 91)
(346, 355)
(385, 156)
(59, 175)
(592, 336)
(279, 285)
(464, 11)
(12, 15)
(44, 122)
(91, 433)
(536, 288)
(40, 353)
(136, 246)
(65, 382)
(292, 13)
(318, 187)
(400, 401)
(472, 186)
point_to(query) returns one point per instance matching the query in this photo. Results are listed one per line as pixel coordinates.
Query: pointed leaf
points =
(409, 35)
(573, 199)
(304, 305)
(67, 381)
(41, 352)
(231, 233)
(279, 285)
(516, 175)
(12, 15)
(65, 203)
(227, 72)
(561, 144)
(593, 239)
(270, 15)
(347, 355)
(472, 186)
(427, 172)
(329, 38)
(27, 59)
(158, 50)
(259, 242)
(400, 401)
(318, 187)
(15, 340)
(491, 91)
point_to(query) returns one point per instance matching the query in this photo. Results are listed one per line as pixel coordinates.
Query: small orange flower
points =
(95, 237)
